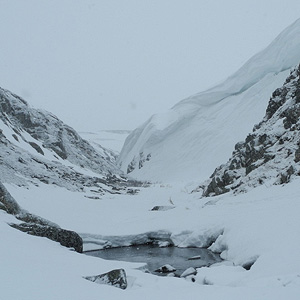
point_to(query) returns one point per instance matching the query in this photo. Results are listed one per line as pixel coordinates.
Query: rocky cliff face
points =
(52, 133)
(271, 153)
(35, 147)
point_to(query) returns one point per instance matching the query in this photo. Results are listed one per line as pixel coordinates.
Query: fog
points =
(112, 64)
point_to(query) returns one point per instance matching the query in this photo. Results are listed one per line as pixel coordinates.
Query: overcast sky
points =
(111, 64)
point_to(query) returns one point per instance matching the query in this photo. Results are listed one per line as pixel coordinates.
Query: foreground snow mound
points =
(199, 132)
(261, 253)
(271, 153)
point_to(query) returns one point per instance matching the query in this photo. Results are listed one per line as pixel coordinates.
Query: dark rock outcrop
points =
(67, 238)
(115, 278)
(138, 162)
(38, 226)
(7, 202)
(271, 153)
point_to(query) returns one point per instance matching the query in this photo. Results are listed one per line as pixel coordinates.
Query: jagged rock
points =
(271, 151)
(285, 176)
(36, 147)
(166, 269)
(8, 203)
(297, 155)
(115, 278)
(67, 238)
(138, 162)
(132, 191)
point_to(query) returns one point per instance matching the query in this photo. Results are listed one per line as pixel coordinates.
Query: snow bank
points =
(199, 132)
(261, 227)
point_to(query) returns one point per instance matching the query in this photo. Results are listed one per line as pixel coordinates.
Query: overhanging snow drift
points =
(198, 133)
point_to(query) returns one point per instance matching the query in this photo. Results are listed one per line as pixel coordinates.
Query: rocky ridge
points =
(271, 153)
(53, 134)
(36, 147)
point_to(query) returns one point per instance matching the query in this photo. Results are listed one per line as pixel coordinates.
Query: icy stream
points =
(155, 257)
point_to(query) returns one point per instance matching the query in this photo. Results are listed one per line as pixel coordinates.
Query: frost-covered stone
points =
(115, 278)
(165, 269)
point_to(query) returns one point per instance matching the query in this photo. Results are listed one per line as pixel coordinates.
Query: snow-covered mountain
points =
(35, 147)
(198, 133)
(271, 153)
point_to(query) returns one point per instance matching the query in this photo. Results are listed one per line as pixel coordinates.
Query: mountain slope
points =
(199, 132)
(271, 153)
(35, 146)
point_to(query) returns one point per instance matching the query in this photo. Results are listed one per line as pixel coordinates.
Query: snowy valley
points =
(220, 170)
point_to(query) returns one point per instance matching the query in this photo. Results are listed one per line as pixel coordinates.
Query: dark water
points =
(155, 257)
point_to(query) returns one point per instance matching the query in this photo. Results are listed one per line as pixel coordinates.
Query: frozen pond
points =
(155, 257)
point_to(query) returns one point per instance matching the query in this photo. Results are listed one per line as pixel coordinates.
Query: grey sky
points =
(112, 64)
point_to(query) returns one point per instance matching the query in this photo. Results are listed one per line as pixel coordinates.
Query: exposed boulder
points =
(166, 269)
(67, 238)
(115, 278)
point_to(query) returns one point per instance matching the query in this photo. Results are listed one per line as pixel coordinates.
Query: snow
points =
(261, 226)
(199, 133)
(188, 272)
(110, 139)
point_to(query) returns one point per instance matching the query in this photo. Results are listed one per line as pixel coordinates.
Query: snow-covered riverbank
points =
(261, 226)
